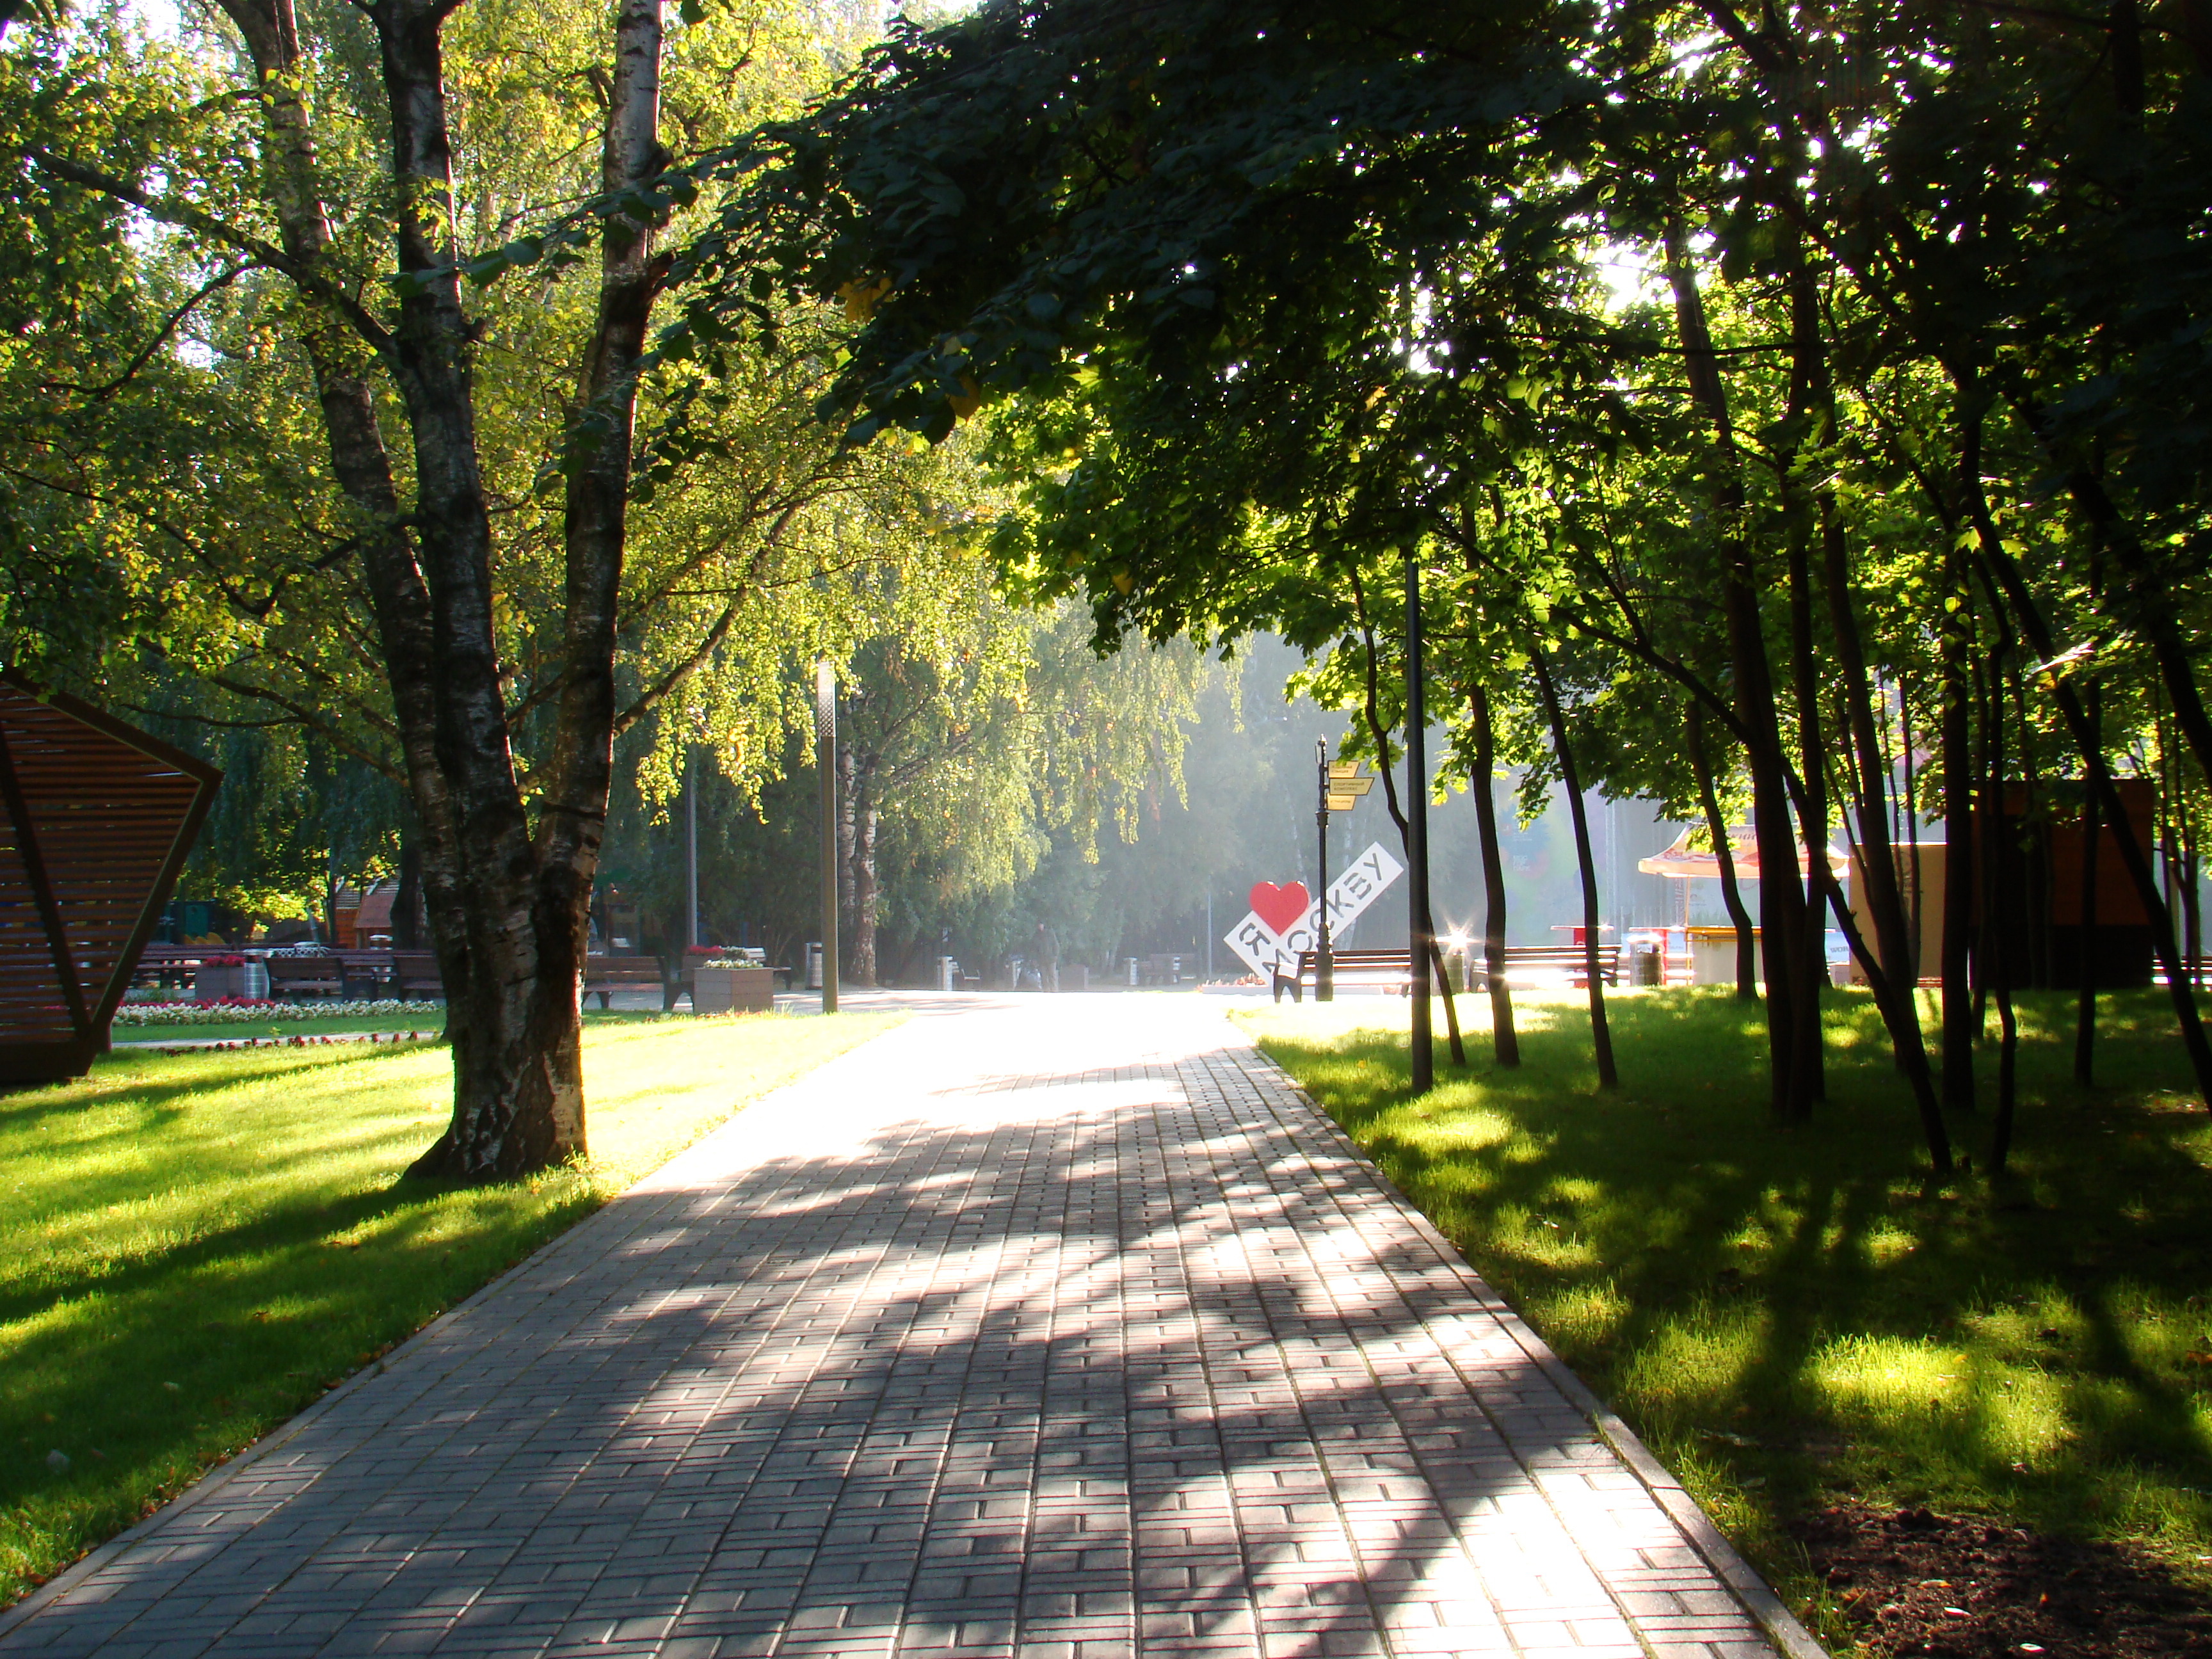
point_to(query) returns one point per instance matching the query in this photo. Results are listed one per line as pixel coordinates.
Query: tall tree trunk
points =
(2037, 632)
(1373, 711)
(1916, 888)
(2187, 874)
(1958, 1020)
(1600, 1036)
(1983, 688)
(518, 1095)
(407, 922)
(1887, 967)
(2036, 855)
(1746, 947)
(1812, 404)
(860, 809)
(849, 807)
(340, 360)
(1504, 1041)
(1781, 895)
(1811, 961)
(2085, 952)
(1998, 856)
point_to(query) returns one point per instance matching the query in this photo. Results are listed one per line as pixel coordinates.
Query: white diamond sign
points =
(1266, 950)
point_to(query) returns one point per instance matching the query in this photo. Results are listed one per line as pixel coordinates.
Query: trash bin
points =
(1129, 966)
(1643, 967)
(948, 974)
(813, 966)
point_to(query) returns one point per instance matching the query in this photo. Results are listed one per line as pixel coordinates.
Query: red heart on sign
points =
(1281, 908)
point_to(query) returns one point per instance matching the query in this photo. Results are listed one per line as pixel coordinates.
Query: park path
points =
(1064, 1328)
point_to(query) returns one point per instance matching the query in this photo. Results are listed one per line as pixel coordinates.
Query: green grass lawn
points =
(1794, 1317)
(192, 1248)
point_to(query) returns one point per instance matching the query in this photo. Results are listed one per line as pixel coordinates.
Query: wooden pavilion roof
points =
(98, 817)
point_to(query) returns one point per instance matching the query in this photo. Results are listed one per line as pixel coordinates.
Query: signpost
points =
(1285, 920)
(1340, 788)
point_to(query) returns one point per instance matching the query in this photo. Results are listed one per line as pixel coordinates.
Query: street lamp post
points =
(825, 758)
(1324, 963)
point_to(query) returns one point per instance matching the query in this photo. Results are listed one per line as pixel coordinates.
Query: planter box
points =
(731, 990)
(209, 984)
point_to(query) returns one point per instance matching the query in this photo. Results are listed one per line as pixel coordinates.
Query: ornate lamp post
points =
(1338, 785)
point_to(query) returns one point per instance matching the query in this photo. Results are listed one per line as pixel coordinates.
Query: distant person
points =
(1044, 951)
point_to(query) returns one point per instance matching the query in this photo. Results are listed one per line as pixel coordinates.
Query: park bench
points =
(1568, 959)
(314, 975)
(1390, 966)
(171, 965)
(367, 972)
(415, 975)
(1361, 967)
(605, 976)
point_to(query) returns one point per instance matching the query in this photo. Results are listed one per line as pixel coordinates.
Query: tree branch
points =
(185, 216)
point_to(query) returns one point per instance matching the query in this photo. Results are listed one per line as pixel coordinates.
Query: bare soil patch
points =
(1958, 1587)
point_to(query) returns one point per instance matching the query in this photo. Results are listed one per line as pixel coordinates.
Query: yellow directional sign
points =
(1346, 784)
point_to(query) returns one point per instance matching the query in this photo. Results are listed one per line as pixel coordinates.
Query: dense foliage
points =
(1801, 406)
(1804, 394)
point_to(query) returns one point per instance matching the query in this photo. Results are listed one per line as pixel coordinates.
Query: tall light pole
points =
(1324, 963)
(825, 757)
(1417, 835)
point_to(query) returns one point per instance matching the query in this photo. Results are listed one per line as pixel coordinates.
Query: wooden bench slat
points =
(604, 975)
(1396, 966)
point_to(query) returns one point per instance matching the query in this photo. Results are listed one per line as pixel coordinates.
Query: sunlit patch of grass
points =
(1793, 1314)
(192, 1248)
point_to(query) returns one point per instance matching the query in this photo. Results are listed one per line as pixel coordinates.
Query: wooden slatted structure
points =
(98, 819)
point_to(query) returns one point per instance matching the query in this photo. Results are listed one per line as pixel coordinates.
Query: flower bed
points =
(241, 1010)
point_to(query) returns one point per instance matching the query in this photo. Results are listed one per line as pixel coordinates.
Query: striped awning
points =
(1680, 861)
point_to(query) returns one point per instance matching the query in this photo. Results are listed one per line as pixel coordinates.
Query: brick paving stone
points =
(1037, 1328)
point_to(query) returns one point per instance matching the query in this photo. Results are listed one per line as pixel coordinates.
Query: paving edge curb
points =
(215, 1479)
(1766, 1609)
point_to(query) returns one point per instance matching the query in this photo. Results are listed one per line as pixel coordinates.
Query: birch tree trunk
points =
(509, 909)
(1780, 894)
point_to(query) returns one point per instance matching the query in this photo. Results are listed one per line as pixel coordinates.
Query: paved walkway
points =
(1064, 1330)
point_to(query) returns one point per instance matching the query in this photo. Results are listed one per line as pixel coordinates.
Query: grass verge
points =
(192, 1249)
(1795, 1316)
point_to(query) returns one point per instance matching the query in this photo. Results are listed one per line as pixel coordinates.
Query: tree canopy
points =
(1831, 377)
